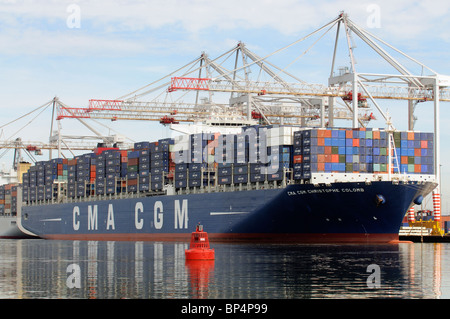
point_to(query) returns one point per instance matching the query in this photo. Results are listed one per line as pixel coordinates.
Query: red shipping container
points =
(356, 142)
(424, 144)
(320, 141)
(132, 182)
(334, 158)
(133, 161)
(328, 150)
(320, 167)
(321, 133)
(410, 136)
(321, 159)
(417, 152)
(298, 159)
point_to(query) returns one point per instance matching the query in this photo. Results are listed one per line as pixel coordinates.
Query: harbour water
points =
(48, 269)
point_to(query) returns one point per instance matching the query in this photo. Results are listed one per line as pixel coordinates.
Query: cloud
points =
(138, 26)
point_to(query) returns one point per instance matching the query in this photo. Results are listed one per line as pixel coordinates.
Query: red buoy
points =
(199, 246)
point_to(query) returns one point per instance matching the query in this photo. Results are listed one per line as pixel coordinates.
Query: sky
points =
(80, 50)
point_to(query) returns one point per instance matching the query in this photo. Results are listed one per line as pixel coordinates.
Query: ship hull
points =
(342, 212)
(9, 228)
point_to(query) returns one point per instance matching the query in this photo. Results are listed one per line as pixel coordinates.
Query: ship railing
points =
(329, 178)
(210, 183)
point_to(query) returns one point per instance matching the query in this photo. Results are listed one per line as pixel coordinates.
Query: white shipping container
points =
(181, 143)
(279, 131)
(279, 140)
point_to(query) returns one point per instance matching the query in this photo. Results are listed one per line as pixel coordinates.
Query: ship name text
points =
(325, 191)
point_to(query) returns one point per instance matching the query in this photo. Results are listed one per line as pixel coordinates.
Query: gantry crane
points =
(270, 99)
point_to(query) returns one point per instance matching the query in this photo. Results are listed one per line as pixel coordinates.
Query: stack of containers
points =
(25, 188)
(279, 151)
(143, 170)
(123, 169)
(2, 199)
(365, 164)
(297, 154)
(32, 175)
(159, 164)
(8, 198)
(415, 154)
(197, 175)
(71, 177)
(306, 151)
(100, 174)
(50, 175)
(112, 167)
(355, 151)
(180, 175)
(256, 162)
(379, 151)
(40, 179)
(180, 156)
(361, 150)
(198, 143)
(224, 173)
(190, 157)
(62, 169)
(139, 167)
(115, 170)
(202, 151)
(83, 171)
(241, 159)
(132, 170)
(14, 199)
(224, 158)
(92, 175)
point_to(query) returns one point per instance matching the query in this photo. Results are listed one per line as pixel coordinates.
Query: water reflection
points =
(39, 269)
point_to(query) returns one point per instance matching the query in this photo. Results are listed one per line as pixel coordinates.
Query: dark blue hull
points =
(343, 212)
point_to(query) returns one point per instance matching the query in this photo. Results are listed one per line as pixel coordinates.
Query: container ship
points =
(298, 178)
(274, 183)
